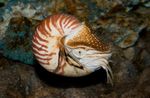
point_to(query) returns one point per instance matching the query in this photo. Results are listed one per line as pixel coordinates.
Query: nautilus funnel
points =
(65, 46)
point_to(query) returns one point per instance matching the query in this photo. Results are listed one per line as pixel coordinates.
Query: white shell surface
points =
(65, 46)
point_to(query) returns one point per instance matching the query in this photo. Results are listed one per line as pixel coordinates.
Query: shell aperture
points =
(65, 46)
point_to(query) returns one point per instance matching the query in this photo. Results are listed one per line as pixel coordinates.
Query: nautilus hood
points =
(82, 36)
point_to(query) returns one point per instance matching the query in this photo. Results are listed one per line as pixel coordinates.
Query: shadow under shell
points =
(55, 80)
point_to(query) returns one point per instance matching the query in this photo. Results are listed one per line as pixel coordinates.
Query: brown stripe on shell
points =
(46, 24)
(39, 45)
(67, 21)
(43, 63)
(39, 37)
(61, 23)
(39, 48)
(40, 58)
(73, 23)
(53, 20)
(39, 53)
(40, 29)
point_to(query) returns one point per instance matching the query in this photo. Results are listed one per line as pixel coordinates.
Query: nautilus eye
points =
(79, 52)
(65, 46)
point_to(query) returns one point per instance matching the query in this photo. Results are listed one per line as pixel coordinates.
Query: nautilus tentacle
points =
(65, 46)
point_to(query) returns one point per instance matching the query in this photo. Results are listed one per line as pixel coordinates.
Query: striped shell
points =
(65, 46)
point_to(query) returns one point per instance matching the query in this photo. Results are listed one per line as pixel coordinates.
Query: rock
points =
(18, 80)
(27, 11)
(77, 93)
(141, 60)
(145, 59)
(17, 40)
(127, 73)
(142, 89)
(129, 53)
(134, 94)
(147, 4)
(122, 27)
(129, 38)
(144, 80)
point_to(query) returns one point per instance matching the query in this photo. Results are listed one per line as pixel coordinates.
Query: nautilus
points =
(63, 45)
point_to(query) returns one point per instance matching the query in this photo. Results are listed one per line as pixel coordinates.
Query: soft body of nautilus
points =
(65, 46)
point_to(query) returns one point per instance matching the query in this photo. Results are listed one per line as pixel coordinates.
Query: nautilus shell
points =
(65, 46)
